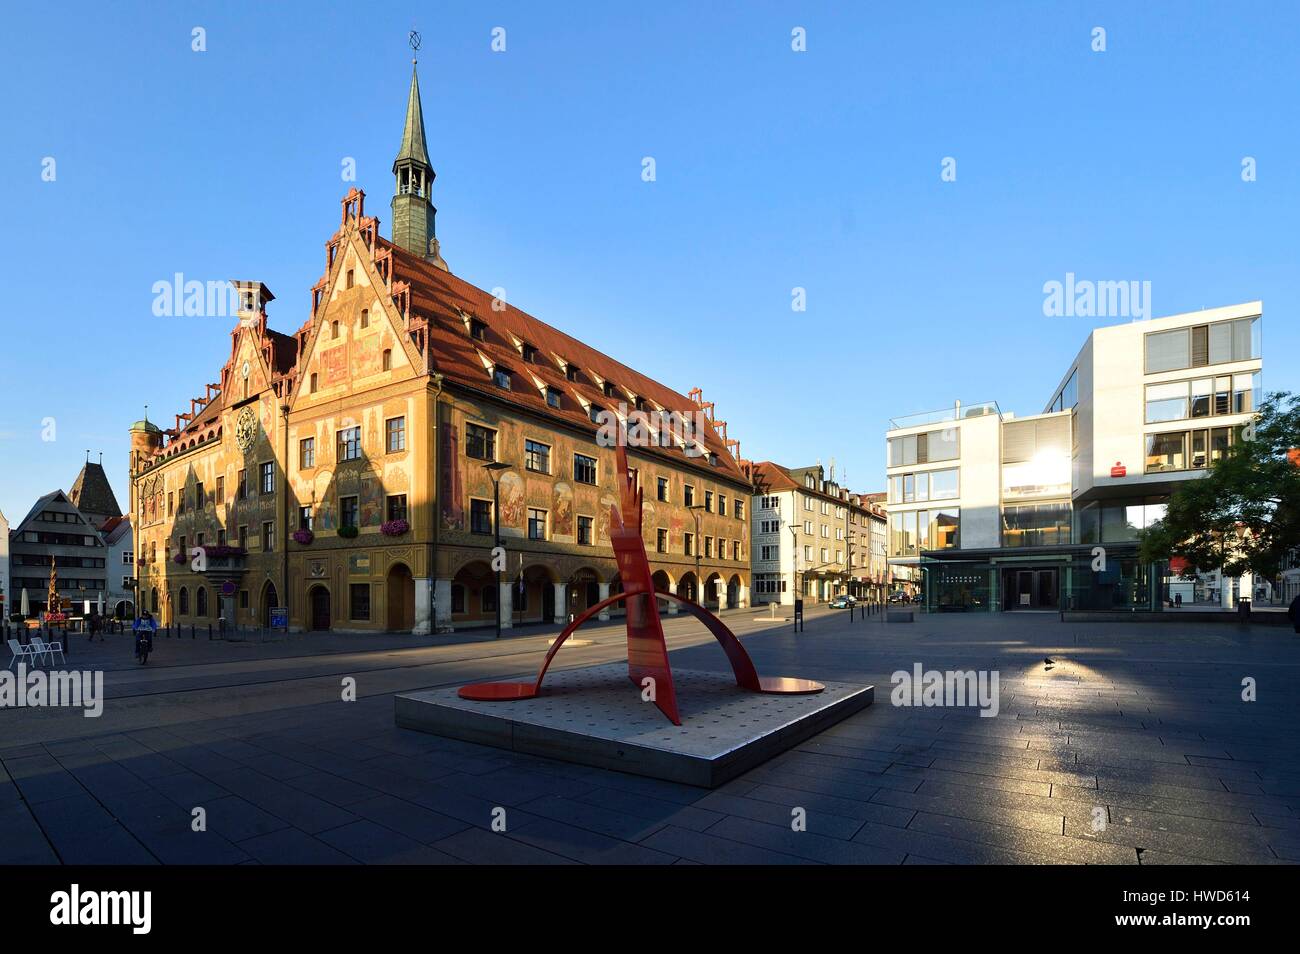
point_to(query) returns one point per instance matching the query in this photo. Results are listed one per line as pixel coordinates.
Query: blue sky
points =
(775, 170)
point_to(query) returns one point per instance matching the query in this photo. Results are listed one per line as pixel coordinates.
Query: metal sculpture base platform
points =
(595, 716)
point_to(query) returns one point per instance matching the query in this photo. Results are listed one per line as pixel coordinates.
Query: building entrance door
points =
(1030, 589)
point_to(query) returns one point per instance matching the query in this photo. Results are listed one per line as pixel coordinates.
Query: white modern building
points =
(989, 511)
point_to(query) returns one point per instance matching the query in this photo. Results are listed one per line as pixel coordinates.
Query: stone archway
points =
(401, 598)
(688, 587)
(318, 608)
(709, 597)
(268, 599)
(734, 586)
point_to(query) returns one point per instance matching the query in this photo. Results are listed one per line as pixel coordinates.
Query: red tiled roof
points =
(440, 296)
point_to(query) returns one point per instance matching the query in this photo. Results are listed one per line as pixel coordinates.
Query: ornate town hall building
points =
(341, 471)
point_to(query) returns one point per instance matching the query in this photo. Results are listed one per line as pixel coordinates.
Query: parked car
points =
(899, 597)
(844, 601)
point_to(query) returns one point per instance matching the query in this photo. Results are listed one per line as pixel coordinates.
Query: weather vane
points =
(414, 40)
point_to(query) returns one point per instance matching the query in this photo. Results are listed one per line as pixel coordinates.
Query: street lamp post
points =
(494, 469)
(699, 585)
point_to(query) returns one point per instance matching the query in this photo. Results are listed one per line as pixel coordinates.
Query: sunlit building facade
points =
(989, 511)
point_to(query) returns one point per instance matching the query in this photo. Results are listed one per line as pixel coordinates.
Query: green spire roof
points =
(413, 145)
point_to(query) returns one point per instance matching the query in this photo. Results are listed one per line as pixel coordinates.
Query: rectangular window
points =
(1166, 452)
(221, 481)
(661, 540)
(1167, 402)
(584, 469)
(552, 397)
(349, 444)
(688, 544)
(708, 546)
(169, 502)
(501, 378)
(480, 516)
(243, 485)
(1202, 397)
(243, 538)
(396, 506)
(536, 524)
(306, 453)
(395, 434)
(1168, 350)
(359, 601)
(584, 531)
(688, 495)
(537, 457)
(304, 519)
(708, 501)
(199, 497)
(268, 537)
(480, 442)
(662, 488)
(740, 508)
(348, 511)
(268, 477)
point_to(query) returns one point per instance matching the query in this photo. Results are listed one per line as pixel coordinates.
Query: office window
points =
(1168, 350)
(268, 537)
(480, 516)
(306, 453)
(662, 488)
(1035, 525)
(396, 506)
(1166, 452)
(349, 444)
(584, 531)
(395, 434)
(584, 469)
(537, 457)
(348, 511)
(359, 601)
(536, 524)
(661, 540)
(480, 442)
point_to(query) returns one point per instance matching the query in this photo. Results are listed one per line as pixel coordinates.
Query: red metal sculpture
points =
(647, 654)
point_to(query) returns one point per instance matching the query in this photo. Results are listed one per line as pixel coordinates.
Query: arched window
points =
(185, 602)
(388, 360)
(201, 599)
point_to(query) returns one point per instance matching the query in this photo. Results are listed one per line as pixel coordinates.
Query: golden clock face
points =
(246, 429)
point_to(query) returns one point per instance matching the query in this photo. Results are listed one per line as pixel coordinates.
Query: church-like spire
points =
(414, 147)
(413, 210)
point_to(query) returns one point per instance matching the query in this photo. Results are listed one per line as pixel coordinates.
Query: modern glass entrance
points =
(1026, 589)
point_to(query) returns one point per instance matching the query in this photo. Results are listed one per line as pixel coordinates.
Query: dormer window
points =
(608, 389)
(477, 329)
(553, 397)
(529, 353)
(571, 372)
(640, 404)
(713, 459)
(501, 377)
(594, 410)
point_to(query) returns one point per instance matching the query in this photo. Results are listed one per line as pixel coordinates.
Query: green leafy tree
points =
(1244, 514)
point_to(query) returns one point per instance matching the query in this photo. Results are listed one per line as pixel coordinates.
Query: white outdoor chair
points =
(22, 652)
(49, 649)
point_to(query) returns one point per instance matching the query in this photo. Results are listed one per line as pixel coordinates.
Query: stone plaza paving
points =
(1132, 746)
